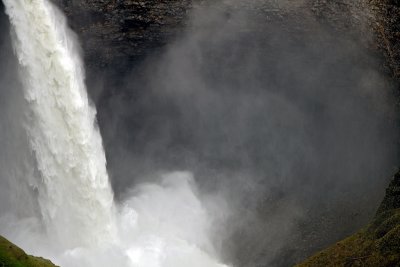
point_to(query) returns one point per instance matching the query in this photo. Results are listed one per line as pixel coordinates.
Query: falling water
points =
(160, 225)
(75, 195)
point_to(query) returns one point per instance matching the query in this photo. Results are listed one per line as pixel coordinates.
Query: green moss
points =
(390, 243)
(12, 256)
(387, 225)
(376, 245)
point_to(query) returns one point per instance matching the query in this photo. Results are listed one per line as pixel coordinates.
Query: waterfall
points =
(74, 194)
(163, 225)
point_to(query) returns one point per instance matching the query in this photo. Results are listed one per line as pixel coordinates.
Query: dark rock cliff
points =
(120, 31)
(387, 28)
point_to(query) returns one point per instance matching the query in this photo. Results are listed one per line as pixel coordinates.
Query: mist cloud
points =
(294, 126)
(288, 127)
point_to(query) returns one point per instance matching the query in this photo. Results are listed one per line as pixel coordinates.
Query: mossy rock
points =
(12, 256)
(387, 225)
(390, 243)
(378, 245)
(392, 197)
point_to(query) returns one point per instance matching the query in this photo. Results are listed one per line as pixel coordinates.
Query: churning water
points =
(77, 222)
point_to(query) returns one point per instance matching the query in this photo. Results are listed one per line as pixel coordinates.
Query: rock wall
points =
(387, 28)
(116, 32)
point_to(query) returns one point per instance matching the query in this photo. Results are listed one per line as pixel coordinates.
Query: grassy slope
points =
(377, 245)
(12, 256)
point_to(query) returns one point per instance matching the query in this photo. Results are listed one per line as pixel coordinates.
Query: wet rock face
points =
(115, 32)
(388, 28)
(344, 15)
(377, 21)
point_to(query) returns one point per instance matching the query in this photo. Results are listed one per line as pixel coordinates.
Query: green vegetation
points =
(377, 245)
(12, 256)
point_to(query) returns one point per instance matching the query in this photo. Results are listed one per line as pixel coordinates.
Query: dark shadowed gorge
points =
(285, 112)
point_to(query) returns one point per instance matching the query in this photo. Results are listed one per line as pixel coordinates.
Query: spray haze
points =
(285, 130)
(288, 120)
(76, 221)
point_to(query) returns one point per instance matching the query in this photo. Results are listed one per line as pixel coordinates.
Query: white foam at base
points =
(79, 224)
